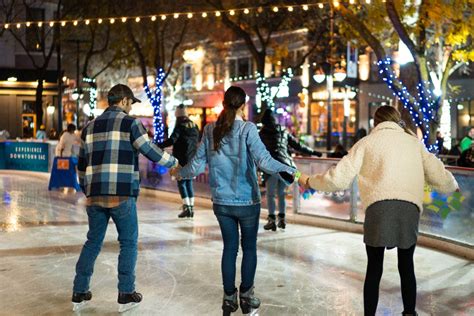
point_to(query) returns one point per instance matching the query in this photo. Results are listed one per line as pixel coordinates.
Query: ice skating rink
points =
(301, 271)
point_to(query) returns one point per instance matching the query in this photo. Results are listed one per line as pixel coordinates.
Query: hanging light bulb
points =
(153, 18)
(163, 17)
(28, 24)
(40, 24)
(137, 19)
(112, 21)
(218, 13)
(275, 9)
(18, 25)
(204, 15)
(290, 9)
(51, 24)
(321, 5)
(246, 11)
(99, 21)
(75, 23)
(232, 12)
(124, 19)
(176, 15)
(336, 4)
(190, 15)
(63, 23)
(305, 7)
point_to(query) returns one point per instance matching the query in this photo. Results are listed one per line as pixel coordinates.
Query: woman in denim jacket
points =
(232, 148)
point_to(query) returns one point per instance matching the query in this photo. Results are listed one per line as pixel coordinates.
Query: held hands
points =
(303, 181)
(174, 172)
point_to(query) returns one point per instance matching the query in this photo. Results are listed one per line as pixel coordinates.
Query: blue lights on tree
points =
(156, 99)
(423, 108)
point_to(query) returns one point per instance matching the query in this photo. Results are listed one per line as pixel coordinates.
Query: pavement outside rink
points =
(301, 271)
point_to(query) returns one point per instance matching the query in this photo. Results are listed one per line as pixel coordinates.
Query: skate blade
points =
(253, 312)
(127, 307)
(78, 306)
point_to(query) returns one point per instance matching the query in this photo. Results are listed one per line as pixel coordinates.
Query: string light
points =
(156, 101)
(176, 15)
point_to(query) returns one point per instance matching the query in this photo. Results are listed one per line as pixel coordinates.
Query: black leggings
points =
(374, 274)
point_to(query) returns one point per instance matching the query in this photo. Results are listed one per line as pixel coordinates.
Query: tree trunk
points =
(39, 99)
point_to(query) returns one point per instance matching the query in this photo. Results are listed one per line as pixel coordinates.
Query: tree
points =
(155, 47)
(45, 37)
(437, 35)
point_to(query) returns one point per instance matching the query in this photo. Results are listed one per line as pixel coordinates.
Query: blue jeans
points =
(230, 217)
(185, 188)
(125, 219)
(275, 187)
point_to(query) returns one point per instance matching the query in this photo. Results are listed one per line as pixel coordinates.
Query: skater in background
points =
(184, 140)
(278, 142)
(232, 149)
(67, 141)
(108, 175)
(391, 183)
(41, 133)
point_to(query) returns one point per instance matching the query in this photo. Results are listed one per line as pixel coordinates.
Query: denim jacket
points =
(233, 169)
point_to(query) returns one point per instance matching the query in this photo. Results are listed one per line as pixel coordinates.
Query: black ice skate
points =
(229, 304)
(80, 300)
(271, 223)
(249, 304)
(187, 212)
(281, 221)
(128, 301)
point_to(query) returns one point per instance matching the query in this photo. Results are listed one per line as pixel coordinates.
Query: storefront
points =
(344, 115)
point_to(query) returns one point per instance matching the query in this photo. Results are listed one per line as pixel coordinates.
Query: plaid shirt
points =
(108, 157)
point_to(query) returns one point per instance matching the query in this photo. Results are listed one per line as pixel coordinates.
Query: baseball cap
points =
(120, 91)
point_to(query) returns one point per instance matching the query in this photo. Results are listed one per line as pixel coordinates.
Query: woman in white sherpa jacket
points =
(392, 166)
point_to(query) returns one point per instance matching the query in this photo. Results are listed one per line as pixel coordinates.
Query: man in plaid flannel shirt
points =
(109, 177)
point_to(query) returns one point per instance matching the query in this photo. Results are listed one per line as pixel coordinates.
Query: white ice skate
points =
(76, 307)
(126, 307)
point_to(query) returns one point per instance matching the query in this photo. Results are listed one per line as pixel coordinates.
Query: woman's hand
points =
(303, 181)
(174, 172)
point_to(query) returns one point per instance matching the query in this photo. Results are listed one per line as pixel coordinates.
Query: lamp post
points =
(77, 95)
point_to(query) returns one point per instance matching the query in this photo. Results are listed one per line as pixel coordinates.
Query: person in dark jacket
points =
(184, 140)
(278, 142)
(338, 152)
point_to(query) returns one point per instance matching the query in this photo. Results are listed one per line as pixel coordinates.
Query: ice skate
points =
(281, 221)
(80, 300)
(187, 212)
(249, 304)
(271, 223)
(229, 304)
(128, 301)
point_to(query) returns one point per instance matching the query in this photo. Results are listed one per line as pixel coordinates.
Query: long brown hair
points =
(390, 114)
(234, 98)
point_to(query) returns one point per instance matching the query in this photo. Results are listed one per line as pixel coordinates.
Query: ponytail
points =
(224, 124)
(234, 98)
(390, 114)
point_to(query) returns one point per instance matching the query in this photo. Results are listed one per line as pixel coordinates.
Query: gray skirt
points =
(391, 223)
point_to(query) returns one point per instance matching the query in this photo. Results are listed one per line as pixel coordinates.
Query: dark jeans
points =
(374, 274)
(185, 188)
(230, 218)
(125, 219)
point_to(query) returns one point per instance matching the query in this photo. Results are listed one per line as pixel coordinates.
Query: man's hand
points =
(303, 181)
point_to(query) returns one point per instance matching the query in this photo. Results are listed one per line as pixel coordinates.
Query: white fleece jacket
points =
(390, 165)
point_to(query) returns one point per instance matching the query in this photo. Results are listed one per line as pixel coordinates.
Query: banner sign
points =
(24, 156)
